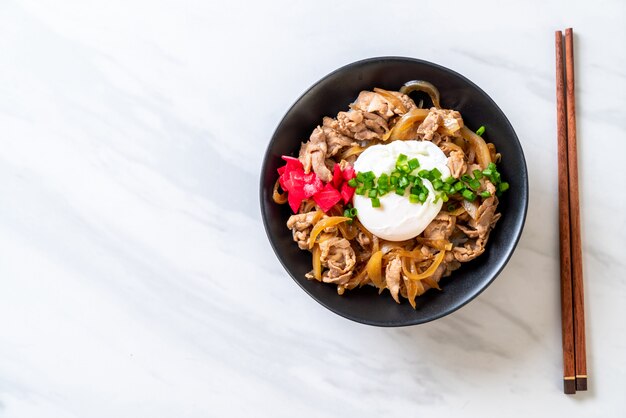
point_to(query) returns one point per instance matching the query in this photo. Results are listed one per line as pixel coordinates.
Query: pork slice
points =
(335, 141)
(486, 213)
(375, 123)
(429, 126)
(363, 240)
(451, 264)
(338, 256)
(470, 232)
(352, 124)
(406, 100)
(313, 155)
(371, 102)
(470, 250)
(301, 226)
(441, 227)
(393, 276)
(449, 120)
(456, 163)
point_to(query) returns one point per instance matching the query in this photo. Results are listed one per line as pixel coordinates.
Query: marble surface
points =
(135, 276)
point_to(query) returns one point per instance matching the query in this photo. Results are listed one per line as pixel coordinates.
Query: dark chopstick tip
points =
(581, 383)
(569, 386)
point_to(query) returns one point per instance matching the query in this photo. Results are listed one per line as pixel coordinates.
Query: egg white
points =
(397, 219)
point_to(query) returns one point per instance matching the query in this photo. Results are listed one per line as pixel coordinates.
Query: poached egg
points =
(397, 219)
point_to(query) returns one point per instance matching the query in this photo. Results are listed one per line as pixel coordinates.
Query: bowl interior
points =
(333, 94)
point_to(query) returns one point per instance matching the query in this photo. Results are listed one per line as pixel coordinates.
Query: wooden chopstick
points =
(570, 246)
(574, 209)
(567, 311)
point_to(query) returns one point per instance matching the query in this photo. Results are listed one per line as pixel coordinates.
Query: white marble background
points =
(135, 276)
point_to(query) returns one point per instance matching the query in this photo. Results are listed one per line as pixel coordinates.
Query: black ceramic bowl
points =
(334, 93)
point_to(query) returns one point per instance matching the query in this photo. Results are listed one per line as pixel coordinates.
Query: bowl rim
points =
(500, 263)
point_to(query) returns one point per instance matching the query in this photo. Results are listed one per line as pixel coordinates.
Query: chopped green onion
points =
(458, 186)
(413, 198)
(480, 131)
(393, 180)
(474, 184)
(450, 180)
(423, 174)
(373, 193)
(468, 195)
(375, 202)
(353, 212)
(360, 177)
(446, 187)
(487, 172)
(478, 174)
(353, 183)
(360, 190)
(403, 182)
(466, 178)
(437, 184)
(435, 173)
(422, 197)
(413, 164)
(400, 191)
(370, 175)
(485, 194)
(451, 207)
(402, 159)
(444, 197)
(503, 187)
(346, 213)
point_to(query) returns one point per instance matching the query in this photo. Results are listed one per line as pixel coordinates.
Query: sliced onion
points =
(458, 211)
(428, 272)
(392, 98)
(449, 147)
(480, 147)
(471, 208)
(439, 244)
(406, 127)
(309, 204)
(280, 198)
(424, 86)
(348, 231)
(374, 269)
(354, 150)
(323, 224)
(317, 263)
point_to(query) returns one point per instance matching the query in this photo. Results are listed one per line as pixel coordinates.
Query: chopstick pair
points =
(572, 296)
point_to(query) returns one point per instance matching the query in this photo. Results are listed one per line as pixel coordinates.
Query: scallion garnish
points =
(468, 195)
(480, 131)
(404, 177)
